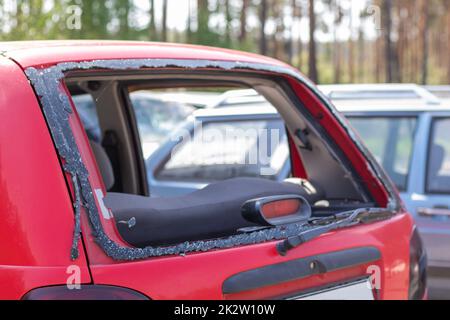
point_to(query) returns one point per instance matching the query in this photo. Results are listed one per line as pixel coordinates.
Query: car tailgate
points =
(336, 258)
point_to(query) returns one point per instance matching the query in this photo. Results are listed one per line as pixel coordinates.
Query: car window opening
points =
(206, 148)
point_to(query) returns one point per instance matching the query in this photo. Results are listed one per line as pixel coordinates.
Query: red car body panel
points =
(36, 228)
(36, 239)
(42, 54)
(200, 276)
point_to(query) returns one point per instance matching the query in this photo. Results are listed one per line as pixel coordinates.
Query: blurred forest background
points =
(333, 41)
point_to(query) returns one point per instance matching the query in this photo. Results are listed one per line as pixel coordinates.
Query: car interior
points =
(330, 186)
(436, 181)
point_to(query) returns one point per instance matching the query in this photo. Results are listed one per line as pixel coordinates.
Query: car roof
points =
(194, 98)
(45, 53)
(381, 105)
(241, 104)
(442, 92)
(239, 97)
(439, 90)
(262, 110)
(378, 92)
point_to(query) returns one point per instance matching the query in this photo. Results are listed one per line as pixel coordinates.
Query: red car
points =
(78, 220)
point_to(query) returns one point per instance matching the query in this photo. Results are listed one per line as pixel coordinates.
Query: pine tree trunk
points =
(292, 39)
(361, 56)
(337, 61)
(379, 59)
(351, 61)
(202, 22)
(312, 70)
(262, 31)
(164, 22)
(391, 56)
(401, 42)
(152, 23)
(300, 41)
(337, 54)
(228, 21)
(448, 47)
(387, 28)
(189, 23)
(243, 33)
(278, 36)
(351, 51)
(423, 31)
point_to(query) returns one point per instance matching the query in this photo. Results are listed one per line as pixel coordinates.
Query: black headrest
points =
(437, 159)
(104, 164)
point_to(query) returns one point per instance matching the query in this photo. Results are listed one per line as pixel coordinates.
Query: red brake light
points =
(281, 208)
(89, 292)
(277, 210)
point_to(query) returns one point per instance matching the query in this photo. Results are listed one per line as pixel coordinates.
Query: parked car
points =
(160, 113)
(194, 99)
(337, 229)
(398, 134)
(411, 141)
(239, 98)
(442, 92)
(169, 174)
(156, 117)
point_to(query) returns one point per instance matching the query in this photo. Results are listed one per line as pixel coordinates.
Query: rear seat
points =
(212, 212)
(104, 164)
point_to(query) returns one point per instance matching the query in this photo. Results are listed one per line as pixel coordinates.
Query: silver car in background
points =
(389, 93)
(407, 128)
(172, 170)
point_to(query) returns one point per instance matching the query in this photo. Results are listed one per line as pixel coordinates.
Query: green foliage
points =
(218, 23)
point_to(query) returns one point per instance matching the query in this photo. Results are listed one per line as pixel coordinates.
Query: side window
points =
(391, 140)
(438, 177)
(223, 150)
(157, 118)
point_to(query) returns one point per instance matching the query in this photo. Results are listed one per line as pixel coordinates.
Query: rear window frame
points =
(54, 96)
